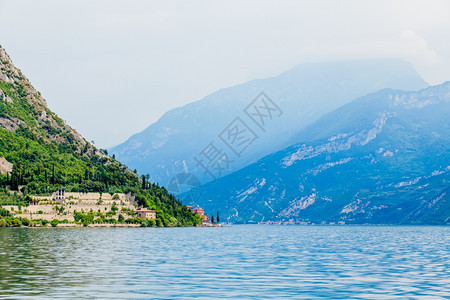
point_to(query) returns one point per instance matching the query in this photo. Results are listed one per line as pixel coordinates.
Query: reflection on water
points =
(242, 262)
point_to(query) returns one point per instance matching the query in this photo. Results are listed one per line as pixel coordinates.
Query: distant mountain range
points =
(187, 139)
(382, 159)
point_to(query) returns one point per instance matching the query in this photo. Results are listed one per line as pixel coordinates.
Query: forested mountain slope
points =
(40, 153)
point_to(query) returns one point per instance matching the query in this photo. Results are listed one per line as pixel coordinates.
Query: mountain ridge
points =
(382, 158)
(168, 146)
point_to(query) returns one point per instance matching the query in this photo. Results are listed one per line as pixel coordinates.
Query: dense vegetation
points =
(41, 167)
(48, 155)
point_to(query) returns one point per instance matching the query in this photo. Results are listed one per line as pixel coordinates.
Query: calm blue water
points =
(241, 262)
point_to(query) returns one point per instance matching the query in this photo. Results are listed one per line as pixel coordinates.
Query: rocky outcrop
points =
(5, 166)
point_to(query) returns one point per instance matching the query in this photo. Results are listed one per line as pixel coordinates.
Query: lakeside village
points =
(63, 209)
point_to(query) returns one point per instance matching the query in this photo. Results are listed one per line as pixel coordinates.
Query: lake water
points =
(240, 262)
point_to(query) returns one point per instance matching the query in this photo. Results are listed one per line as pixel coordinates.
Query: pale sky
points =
(111, 68)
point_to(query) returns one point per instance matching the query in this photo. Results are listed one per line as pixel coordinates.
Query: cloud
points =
(131, 19)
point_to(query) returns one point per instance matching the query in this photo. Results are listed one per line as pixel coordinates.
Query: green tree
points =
(143, 182)
(121, 219)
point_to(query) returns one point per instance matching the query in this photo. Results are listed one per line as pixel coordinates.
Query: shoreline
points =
(72, 225)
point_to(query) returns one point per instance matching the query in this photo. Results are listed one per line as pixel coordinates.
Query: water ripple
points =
(241, 262)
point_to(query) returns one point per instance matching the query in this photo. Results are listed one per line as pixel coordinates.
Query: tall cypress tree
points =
(143, 182)
(53, 176)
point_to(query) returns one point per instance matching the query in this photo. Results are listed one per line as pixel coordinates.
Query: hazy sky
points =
(111, 68)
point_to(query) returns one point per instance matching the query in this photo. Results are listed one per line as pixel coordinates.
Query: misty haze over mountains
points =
(303, 94)
(354, 142)
(382, 159)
